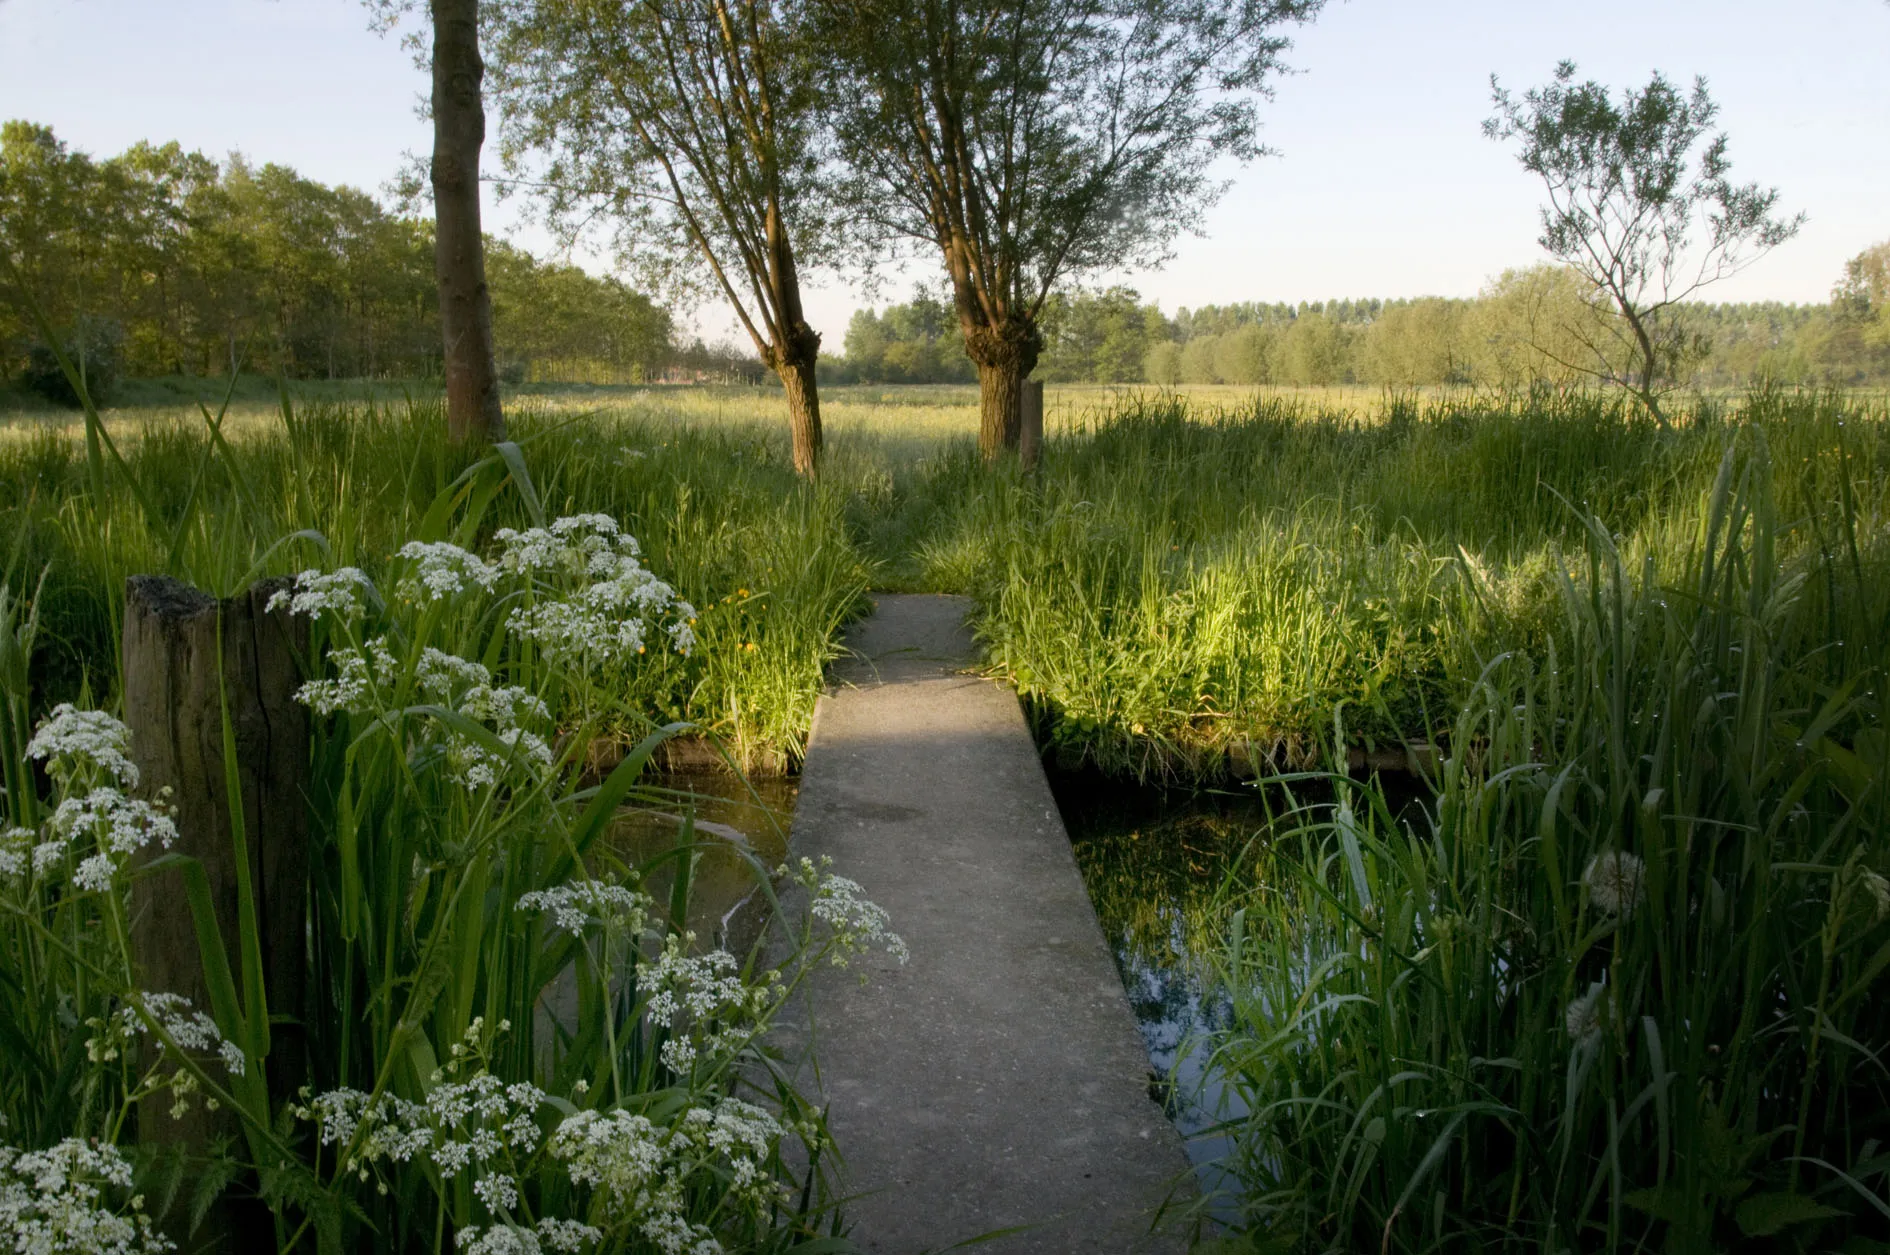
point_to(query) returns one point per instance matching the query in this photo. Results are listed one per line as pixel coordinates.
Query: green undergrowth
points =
(1621, 985)
(1179, 594)
(1184, 591)
(767, 562)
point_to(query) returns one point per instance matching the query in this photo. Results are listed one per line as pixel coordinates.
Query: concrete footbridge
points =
(996, 1083)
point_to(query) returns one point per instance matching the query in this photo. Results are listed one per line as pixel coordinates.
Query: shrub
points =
(94, 350)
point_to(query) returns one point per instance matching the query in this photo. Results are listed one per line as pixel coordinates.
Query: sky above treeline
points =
(1383, 184)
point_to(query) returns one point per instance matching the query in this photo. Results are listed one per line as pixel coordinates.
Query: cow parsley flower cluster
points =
(439, 569)
(359, 675)
(101, 828)
(704, 1002)
(15, 845)
(610, 612)
(855, 924)
(465, 1126)
(641, 1171)
(334, 594)
(577, 906)
(567, 1237)
(75, 744)
(188, 1027)
(577, 544)
(468, 688)
(111, 826)
(55, 1202)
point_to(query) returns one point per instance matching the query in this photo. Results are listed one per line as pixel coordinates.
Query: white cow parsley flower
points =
(640, 1171)
(336, 594)
(440, 674)
(54, 1202)
(104, 828)
(576, 906)
(440, 570)
(477, 766)
(564, 1236)
(856, 924)
(704, 1002)
(359, 675)
(191, 1029)
(69, 740)
(16, 845)
(460, 1125)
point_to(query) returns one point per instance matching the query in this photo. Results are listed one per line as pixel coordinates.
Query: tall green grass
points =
(768, 563)
(1181, 594)
(1624, 988)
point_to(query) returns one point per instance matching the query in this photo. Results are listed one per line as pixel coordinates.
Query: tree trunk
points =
(795, 360)
(803, 407)
(459, 260)
(1005, 356)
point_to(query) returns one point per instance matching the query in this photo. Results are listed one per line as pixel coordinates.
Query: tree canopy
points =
(1641, 205)
(1029, 144)
(187, 264)
(691, 124)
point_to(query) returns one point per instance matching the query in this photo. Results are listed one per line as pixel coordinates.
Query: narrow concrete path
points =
(996, 1080)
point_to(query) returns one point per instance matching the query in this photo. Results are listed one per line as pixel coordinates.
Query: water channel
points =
(1155, 863)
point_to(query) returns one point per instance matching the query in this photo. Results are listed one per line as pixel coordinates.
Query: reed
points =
(1621, 987)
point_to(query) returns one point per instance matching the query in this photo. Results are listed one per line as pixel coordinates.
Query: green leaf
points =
(521, 479)
(1763, 1215)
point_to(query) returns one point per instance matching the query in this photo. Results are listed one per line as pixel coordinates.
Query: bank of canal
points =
(1156, 863)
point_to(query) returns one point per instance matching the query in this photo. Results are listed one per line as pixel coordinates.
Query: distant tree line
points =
(1528, 327)
(160, 261)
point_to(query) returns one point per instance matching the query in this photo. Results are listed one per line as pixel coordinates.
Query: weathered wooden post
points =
(1030, 434)
(187, 659)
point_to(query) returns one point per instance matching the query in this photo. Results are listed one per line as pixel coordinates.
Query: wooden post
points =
(1030, 434)
(175, 698)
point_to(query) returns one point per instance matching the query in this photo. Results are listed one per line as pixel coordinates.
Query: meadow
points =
(1619, 984)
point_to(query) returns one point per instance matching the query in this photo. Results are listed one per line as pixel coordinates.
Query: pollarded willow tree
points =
(1644, 221)
(1032, 142)
(691, 123)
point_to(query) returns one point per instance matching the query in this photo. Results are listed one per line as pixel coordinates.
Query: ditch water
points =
(1154, 862)
(737, 825)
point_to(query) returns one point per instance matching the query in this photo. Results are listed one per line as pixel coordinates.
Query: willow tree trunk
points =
(459, 258)
(796, 352)
(1004, 356)
(803, 408)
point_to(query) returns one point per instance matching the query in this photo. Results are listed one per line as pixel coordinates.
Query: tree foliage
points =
(1641, 205)
(1530, 327)
(1029, 144)
(691, 124)
(191, 264)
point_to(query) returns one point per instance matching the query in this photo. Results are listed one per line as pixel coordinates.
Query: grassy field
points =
(1622, 985)
(1197, 583)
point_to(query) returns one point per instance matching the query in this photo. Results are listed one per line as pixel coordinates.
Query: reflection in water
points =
(1155, 864)
(738, 827)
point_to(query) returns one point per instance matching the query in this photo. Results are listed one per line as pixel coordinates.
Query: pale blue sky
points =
(1384, 185)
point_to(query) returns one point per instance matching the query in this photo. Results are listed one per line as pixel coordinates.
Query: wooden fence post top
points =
(167, 597)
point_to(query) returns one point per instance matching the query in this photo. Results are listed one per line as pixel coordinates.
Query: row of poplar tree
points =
(1507, 337)
(160, 261)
